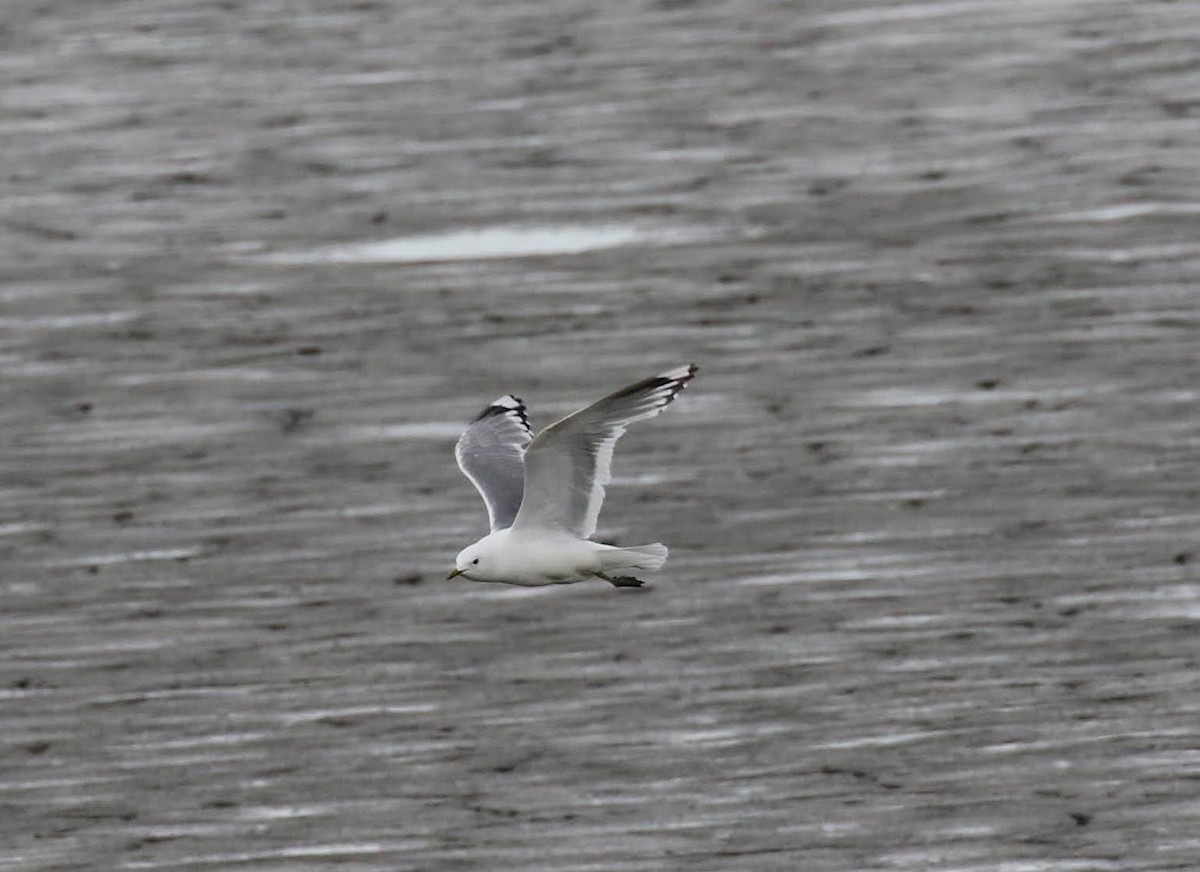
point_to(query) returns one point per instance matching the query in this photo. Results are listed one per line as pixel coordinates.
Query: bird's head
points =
(471, 560)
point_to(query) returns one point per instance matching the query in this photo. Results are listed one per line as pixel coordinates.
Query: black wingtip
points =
(681, 375)
(506, 405)
(674, 378)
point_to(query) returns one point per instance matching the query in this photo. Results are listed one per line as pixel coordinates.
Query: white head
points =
(476, 562)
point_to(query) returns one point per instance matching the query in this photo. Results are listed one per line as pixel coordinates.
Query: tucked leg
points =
(621, 580)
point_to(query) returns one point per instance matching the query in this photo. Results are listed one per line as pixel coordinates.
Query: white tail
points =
(649, 557)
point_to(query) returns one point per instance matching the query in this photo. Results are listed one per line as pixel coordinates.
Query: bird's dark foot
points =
(621, 580)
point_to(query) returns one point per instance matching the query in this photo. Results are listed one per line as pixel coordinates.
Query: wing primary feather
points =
(507, 405)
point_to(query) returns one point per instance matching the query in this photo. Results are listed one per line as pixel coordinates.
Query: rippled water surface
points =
(931, 501)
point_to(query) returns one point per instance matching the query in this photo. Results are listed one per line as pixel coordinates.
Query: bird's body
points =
(543, 495)
(548, 557)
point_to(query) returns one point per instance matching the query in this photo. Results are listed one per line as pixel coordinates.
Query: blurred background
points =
(931, 501)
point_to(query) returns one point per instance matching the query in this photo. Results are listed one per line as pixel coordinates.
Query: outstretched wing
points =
(491, 453)
(568, 464)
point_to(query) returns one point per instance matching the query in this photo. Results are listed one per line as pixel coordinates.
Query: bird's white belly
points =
(534, 560)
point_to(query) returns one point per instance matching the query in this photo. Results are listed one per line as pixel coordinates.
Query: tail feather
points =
(647, 557)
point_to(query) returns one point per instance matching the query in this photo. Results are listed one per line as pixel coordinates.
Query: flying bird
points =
(543, 494)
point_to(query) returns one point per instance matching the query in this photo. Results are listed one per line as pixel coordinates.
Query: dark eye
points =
(475, 562)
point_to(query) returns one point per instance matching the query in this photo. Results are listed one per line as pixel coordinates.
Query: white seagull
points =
(543, 496)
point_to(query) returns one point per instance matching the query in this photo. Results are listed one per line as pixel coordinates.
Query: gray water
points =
(932, 602)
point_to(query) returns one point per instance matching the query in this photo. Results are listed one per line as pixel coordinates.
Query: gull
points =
(543, 495)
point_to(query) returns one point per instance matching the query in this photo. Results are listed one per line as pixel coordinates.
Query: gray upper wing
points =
(569, 463)
(491, 453)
